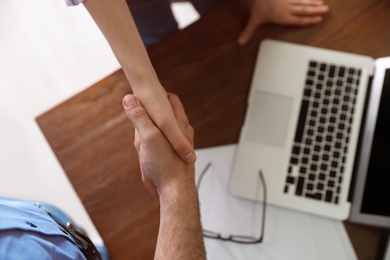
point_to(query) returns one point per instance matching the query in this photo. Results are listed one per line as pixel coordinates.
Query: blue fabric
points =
(155, 20)
(27, 232)
(60, 216)
(57, 214)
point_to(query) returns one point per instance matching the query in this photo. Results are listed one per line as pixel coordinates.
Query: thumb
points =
(138, 116)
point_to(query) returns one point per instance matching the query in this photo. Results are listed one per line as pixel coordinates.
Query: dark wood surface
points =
(93, 140)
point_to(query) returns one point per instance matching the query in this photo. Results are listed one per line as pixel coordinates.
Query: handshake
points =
(170, 179)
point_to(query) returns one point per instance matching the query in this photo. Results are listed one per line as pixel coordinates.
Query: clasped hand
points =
(160, 164)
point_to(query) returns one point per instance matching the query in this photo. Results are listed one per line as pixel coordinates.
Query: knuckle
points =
(137, 112)
(173, 96)
(191, 131)
(137, 143)
(164, 121)
(179, 146)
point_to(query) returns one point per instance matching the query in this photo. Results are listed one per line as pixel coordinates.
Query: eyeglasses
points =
(238, 238)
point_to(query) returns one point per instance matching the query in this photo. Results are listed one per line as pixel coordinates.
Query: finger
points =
(144, 124)
(149, 184)
(177, 108)
(305, 20)
(306, 2)
(248, 32)
(137, 141)
(138, 116)
(309, 10)
(179, 142)
(181, 117)
(177, 137)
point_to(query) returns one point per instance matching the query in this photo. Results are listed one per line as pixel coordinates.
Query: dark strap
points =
(83, 242)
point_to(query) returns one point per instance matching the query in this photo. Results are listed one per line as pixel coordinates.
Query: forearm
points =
(115, 21)
(180, 235)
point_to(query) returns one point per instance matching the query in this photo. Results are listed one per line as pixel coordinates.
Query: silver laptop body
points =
(302, 126)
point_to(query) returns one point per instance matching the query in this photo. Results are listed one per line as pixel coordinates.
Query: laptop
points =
(305, 128)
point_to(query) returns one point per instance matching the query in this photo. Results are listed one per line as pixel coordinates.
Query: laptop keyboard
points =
(322, 137)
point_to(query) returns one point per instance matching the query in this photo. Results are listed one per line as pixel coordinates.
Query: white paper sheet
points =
(288, 234)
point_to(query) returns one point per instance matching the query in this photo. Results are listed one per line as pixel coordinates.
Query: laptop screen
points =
(377, 192)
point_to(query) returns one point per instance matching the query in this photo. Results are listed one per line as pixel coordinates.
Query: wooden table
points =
(93, 140)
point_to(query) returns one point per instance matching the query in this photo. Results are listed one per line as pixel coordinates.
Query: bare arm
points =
(171, 181)
(180, 233)
(115, 21)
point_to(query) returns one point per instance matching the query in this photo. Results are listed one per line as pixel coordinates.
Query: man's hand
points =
(159, 162)
(158, 105)
(171, 181)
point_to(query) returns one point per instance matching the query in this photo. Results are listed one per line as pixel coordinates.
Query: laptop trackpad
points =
(269, 118)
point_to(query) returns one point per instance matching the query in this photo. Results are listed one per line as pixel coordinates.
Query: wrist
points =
(141, 78)
(180, 234)
(179, 186)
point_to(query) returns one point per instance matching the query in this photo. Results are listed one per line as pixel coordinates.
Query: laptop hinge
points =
(357, 155)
